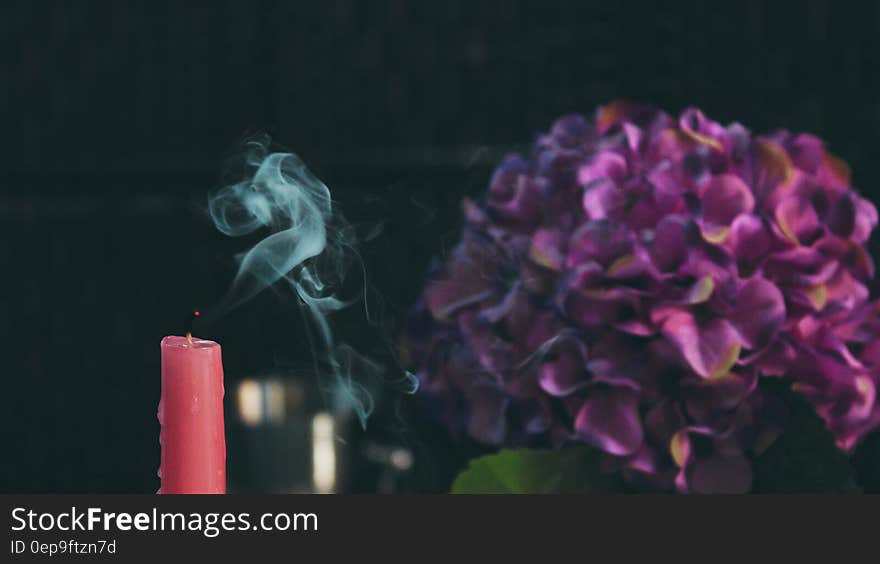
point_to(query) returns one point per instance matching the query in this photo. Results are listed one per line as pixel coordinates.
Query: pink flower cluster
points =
(632, 283)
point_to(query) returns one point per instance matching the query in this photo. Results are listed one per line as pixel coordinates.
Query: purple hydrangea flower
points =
(631, 282)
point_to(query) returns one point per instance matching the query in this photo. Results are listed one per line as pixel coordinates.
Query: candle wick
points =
(188, 324)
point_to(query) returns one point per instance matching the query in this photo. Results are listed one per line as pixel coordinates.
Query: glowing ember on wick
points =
(188, 324)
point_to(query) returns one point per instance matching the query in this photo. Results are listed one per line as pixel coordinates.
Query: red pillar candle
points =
(191, 417)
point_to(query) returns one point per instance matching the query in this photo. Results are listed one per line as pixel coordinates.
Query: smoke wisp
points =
(309, 248)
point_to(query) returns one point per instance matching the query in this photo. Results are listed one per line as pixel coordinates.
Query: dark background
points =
(117, 119)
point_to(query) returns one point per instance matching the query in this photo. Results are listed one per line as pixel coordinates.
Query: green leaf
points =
(568, 470)
(805, 458)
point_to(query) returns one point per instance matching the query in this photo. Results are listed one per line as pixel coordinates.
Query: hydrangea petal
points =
(680, 448)
(670, 245)
(701, 130)
(797, 219)
(725, 197)
(803, 267)
(759, 312)
(710, 350)
(603, 199)
(701, 291)
(563, 375)
(609, 420)
(750, 239)
(548, 248)
(607, 166)
(774, 169)
(865, 220)
(806, 151)
(600, 241)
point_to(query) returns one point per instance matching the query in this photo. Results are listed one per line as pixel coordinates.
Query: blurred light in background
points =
(283, 440)
(267, 401)
(323, 453)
